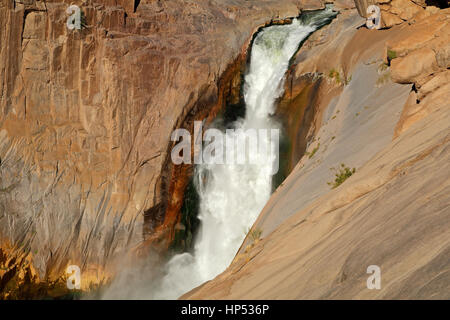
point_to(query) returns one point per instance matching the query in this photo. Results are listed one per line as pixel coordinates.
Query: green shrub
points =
(391, 54)
(313, 152)
(255, 234)
(335, 74)
(342, 174)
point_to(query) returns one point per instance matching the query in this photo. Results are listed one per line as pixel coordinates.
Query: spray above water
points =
(232, 195)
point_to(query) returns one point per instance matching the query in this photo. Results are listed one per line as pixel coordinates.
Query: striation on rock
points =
(86, 116)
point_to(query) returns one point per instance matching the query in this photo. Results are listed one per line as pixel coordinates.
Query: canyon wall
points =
(86, 118)
(375, 102)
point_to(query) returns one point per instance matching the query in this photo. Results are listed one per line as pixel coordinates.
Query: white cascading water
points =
(232, 196)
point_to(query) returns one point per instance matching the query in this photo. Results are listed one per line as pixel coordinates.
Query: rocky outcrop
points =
(318, 240)
(86, 117)
(394, 12)
(420, 55)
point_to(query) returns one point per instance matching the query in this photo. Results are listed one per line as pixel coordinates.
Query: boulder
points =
(388, 19)
(418, 63)
(440, 79)
(405, 9)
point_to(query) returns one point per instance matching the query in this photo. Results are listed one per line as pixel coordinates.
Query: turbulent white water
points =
(232, 196)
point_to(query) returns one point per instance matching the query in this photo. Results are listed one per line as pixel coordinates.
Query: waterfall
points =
(232, 195)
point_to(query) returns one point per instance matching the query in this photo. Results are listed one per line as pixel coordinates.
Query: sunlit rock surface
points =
(393, 212)
(86, 116)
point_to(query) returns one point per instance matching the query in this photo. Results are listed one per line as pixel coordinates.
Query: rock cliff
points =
(86, 117)
(377, 101)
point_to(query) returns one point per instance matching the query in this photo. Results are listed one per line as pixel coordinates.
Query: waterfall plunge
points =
(232, 196)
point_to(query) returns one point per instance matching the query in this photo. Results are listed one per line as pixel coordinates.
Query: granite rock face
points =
(362, 104)
(421, 56)
(86, 116)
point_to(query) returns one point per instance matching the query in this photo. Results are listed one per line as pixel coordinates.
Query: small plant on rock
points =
(334, 74)
(347, 80)
(255, 234)
(313, 152)
(391, 54)
(342, 174)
